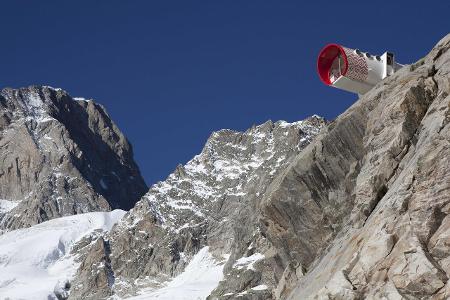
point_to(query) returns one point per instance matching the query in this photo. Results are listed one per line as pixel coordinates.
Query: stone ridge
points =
(61, 156)
(202, 203)
(363, 213)
(225, 166)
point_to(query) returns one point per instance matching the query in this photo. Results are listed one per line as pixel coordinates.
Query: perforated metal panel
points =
(357, 66)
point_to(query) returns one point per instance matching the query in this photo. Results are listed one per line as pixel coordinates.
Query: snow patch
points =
(81, 99)
(52, 88)
(7, 205)
(197, 281)
(284, 124)
(36, 109)
(260, 287)
(248, 261)
(35, 261)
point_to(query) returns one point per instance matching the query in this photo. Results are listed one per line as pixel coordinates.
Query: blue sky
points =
(171, 72)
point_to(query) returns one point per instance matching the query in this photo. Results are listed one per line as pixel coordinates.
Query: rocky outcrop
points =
(95, 264)
(60, 156)
(211, 201)
(364, 209)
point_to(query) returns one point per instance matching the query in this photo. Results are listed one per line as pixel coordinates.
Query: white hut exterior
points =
(353, 70)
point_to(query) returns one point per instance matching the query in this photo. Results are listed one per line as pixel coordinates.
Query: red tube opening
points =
(327, 57)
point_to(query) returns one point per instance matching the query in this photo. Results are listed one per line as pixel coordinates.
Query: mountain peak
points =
(61, 157)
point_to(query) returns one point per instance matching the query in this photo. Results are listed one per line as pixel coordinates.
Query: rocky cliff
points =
(212, 201)
(61, 156)
(364, 209)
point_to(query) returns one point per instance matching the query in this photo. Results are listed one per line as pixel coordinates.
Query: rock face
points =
(364, 209)
(211, 201)
(60, 156)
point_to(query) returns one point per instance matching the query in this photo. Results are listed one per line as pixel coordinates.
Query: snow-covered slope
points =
(197, 281)
(33, 260)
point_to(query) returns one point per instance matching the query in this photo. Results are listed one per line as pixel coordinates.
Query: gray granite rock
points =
(60, 156)
(211, 201)
(364, 207)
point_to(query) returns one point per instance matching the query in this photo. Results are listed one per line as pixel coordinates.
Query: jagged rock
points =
(291, 275)
(62, 289)
(413, 273)
(337, 287)
(364, 207)
(211, 201)
(96, 266)
(61, 156)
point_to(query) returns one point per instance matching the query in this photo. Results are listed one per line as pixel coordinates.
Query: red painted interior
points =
(325, 60)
